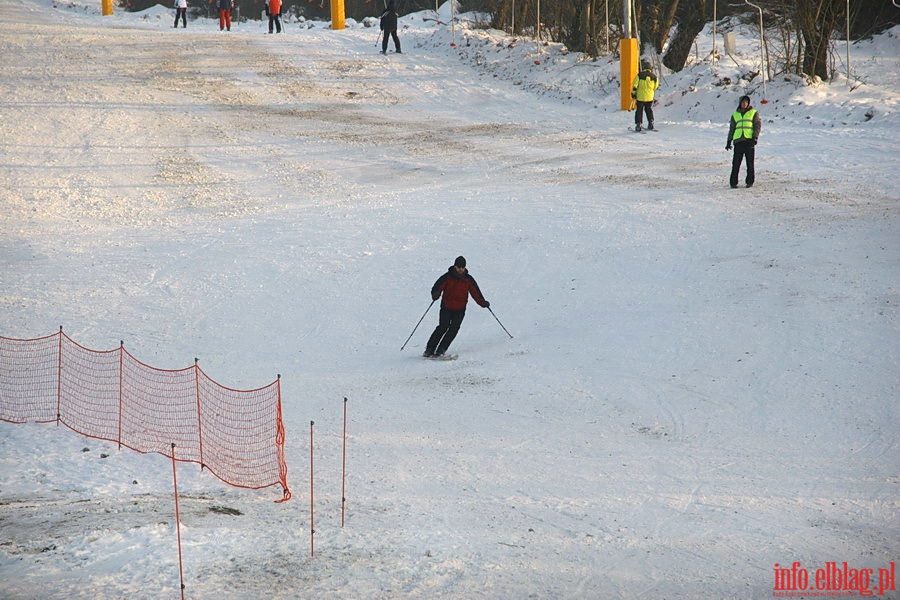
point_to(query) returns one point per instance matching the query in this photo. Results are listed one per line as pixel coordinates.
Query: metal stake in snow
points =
(452, 26)
(762, 53)
(312, 527)
(177, 523)
(344, 468)
(714, 58)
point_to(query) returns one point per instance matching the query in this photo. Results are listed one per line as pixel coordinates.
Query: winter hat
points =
(645, 64)
(460, 262)
(747, 98)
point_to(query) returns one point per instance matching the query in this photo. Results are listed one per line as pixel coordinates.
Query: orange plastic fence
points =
(110, 395)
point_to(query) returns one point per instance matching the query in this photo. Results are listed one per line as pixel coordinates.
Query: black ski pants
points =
(384, 40)
(276, 21)
(181, 13)
(644, 107)
(743, 151)
(445, 332)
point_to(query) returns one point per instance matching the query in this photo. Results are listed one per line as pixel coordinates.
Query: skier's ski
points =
(642, 130)
(442, 357)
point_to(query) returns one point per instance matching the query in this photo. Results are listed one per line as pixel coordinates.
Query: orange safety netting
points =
(110, 395)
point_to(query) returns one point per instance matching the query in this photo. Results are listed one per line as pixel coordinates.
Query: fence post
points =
(312, 527)
(344, 468)
(279, 444)
(121, 384)
(59, 376)
(177, 523)
(199, 422)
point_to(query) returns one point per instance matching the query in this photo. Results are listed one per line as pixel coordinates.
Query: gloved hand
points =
(487, 304)
(754, 142)
(728, 146)
(633, 95)
(433, 297)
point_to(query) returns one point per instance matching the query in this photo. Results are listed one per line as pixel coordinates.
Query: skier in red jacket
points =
(455, 285)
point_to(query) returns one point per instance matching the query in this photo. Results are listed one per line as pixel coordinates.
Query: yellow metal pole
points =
(628, 69)
(106, 7)
(337, 14)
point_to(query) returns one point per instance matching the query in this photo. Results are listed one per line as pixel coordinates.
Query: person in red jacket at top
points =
(455, 286)
(273, 9)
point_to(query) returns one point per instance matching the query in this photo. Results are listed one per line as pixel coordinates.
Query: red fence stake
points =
(59, 377)
(312, 528)
(344, 468)
(121, 393)
(178, 523)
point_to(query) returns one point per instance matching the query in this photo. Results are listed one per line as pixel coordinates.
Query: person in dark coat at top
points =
(455, 286)
(389, 27)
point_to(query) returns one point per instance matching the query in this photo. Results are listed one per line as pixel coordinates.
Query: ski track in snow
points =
(702, 383)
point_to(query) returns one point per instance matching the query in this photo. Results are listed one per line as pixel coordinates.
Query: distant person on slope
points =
(273, 9)
(389, 26)
(181, 12)
(455, 285)
(225, 7)
(642, 89)
(743, 132)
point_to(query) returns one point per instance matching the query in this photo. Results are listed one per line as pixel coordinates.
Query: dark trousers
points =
(743, 151)
(384, 41)
(275, 20)
(181, 13)
(448, 327)
(644, 107)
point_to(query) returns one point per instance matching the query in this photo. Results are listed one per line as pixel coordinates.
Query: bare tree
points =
(817, 20)
(691, 21)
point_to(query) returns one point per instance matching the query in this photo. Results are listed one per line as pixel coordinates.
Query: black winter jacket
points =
(389, 18)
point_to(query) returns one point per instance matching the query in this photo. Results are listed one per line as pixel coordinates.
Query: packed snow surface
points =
(701, 384)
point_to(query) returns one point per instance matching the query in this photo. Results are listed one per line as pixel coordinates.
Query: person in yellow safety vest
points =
(642, 88)
(743, 133)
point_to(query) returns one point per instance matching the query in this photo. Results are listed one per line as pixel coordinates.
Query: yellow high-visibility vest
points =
(743, 129)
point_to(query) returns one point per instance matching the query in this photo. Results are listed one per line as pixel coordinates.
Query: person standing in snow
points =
(273, 9)
(180, 12)
(455, 285)
(743, 133)
(389, 27)
(225, 7)
(642, 90)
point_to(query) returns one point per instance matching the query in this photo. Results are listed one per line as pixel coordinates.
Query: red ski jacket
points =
(456, 289)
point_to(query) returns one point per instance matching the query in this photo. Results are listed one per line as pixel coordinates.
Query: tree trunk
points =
(817, 20)
(691, 23)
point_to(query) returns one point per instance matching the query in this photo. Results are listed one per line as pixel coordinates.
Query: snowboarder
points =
(642, 89)
(743, 132)
(225, 7)
(456, 285)
(180, 13)
(389, 27)
(273, 10)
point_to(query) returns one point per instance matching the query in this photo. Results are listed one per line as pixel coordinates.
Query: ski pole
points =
(378, 39)
(501, 324)
(419, 323)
